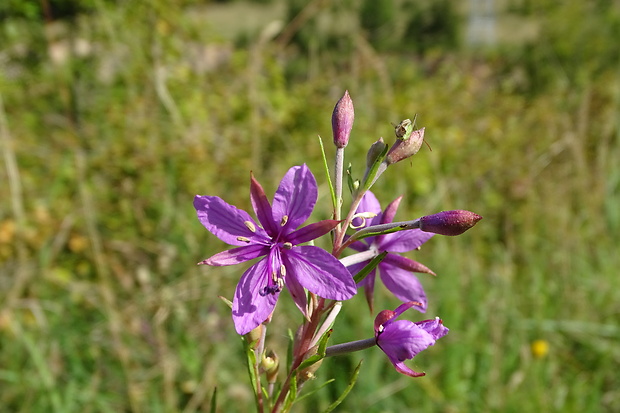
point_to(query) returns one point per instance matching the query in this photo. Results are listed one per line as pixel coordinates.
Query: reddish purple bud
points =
(382, 318)
(342, 120)
(449, 222)
(403, 149)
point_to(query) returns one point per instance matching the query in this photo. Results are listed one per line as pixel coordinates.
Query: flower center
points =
(275, 283)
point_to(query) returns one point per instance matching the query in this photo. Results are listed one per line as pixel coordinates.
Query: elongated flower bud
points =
(270, 364)
(449, 222)
(403, 149)
(374, 152)
(342, 120)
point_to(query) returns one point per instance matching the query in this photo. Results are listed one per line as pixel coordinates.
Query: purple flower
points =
(395, 271)
(403, 339)
(285, 262)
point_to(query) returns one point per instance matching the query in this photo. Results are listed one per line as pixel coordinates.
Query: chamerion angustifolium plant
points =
(319, 280)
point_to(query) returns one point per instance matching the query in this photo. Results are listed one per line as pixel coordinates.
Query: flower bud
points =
(449, 222)
(403, 149)
(270, 364)
(381, 318)
(374, 152)
(342, 120)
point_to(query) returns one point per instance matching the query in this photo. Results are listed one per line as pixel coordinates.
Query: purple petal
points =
(295, 197)
(402, 308)
(298, 293)
(250, 308)
(236, 255)
(390, 211)
(262, 208)
(369, 288)
(407, 264)
(403, 340)
(404, 241)
(403, 369)
(319, 272)
(227, 222)
(434, 327)
(368, 283)
(369, 203)
(403, 284)
(312, 231)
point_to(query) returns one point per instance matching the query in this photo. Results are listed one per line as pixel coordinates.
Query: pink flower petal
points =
(319, 272)
(250, 305)
(227, 222)
(295, 198)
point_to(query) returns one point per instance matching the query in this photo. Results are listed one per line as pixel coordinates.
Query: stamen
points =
(282, 270)
(284, 220)
(243, 239)
(363, 216)
(287, 246)
(250, 225)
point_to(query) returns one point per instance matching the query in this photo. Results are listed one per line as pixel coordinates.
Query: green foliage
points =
(110, 126)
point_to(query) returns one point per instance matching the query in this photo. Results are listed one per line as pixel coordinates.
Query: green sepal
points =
(369, 179)
(226, 301)
(369, 267)
(353, 185)
(346, 391)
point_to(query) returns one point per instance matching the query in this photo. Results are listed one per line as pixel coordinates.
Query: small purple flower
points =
(395, 271)
(402, 340)
(285, 262)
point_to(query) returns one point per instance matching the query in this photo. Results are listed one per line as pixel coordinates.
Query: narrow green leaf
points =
(323, 342)
(320, 354)
(346, 391)
(350, 183)
(289, 350)
(292, 394)
(310, 393)
(369, 267)
(332, 191)
(369, 179)
(309, 362)
(251, 359)
(213, 401)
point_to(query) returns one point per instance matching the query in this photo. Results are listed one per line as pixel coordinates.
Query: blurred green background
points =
(114, 114)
